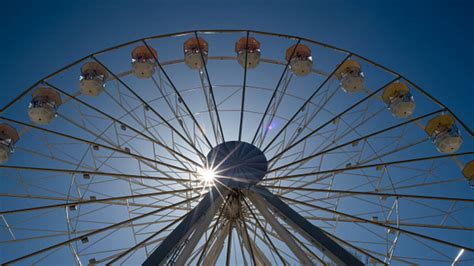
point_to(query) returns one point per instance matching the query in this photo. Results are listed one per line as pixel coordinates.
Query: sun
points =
(207, 175)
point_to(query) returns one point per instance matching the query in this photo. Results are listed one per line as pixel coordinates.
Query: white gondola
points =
(301, 61)
(251, 48)
(350, 76)
(8, 137)
(444, 133)
(468, 172)
(93, 78)
(44, 105)
(193, 48)
(143, 61)
(332, 129)
(399, 100)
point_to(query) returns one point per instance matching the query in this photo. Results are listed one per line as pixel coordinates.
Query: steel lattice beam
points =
(207, 207)
(315, 235)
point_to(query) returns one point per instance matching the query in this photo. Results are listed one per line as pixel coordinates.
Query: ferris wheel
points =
(220, 147)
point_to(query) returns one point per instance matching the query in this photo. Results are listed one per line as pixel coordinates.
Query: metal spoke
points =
(94, 144)
(127, 126)
(98, 231)
(306, 102)
(380, 224)
(83, 202)
(356, 167)
(143, 242)
(395, 223)
(369, 193)
(146, 104)
(242, 104)
(355, 247)
(83, 172)
(210, 88)
(178, 94)
(334, 118)
(275, 91)
(362, 138)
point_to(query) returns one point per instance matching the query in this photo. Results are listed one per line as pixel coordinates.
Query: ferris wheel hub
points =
(237, 164)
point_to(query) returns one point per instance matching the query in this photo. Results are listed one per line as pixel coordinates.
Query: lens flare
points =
(207, 175)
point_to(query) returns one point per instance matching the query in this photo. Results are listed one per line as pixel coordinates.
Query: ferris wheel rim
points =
(248, 31)
(213, 31)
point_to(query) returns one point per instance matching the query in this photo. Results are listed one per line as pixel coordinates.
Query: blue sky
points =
(426, 41)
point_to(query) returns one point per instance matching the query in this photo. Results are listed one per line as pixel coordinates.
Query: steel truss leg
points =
(188, 233)
(251, 246)
(315, 235)
(201, 227)
(216, 249)
(259, 202)
(197, 221)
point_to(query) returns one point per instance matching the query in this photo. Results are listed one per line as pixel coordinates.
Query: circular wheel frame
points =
(118, 177)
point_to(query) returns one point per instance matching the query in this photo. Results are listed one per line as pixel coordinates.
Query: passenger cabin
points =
(399, 100)
(195, 50)
(350, 76)
(248, 49)
(468, 172)
(144, 61)
(44, 105)
(8, 137)
(444, 133)
(93, 78)
(300, 59)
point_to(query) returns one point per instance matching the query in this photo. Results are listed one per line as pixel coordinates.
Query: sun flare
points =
(207, 175)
